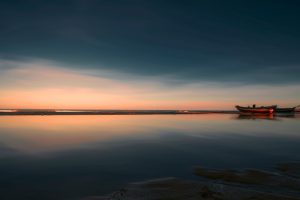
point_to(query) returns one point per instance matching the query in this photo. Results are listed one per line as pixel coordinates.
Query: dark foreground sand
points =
(283, 184)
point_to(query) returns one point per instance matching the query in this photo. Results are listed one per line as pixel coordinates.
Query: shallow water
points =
(69, 157)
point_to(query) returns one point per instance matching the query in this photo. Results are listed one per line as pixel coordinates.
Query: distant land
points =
(108, 112)
(105, 112)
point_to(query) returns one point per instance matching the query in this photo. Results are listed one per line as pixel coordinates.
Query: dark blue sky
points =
(220, 41)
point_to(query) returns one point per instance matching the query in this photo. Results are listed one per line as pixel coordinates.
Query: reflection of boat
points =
(254, 117)
(277, 116)
(257, 110)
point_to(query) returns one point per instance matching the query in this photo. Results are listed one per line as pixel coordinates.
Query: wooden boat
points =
(285, 110)
(257, 110)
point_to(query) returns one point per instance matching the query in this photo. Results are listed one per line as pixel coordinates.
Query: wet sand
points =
(283, 184)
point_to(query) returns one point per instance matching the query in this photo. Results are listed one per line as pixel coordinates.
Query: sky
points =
(135, 54)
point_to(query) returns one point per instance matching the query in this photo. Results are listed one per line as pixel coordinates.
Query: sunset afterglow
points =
(45, 84)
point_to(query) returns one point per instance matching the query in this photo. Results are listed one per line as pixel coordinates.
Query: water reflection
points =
(33, 134)
(255, 117)
(288, 115)
(59, 157)
(277, 116)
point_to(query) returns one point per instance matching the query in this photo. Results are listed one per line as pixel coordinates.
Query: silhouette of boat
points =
(257, 110)
(285, 110)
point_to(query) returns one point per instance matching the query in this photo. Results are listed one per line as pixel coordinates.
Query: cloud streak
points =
(194, 41)
(46, 84)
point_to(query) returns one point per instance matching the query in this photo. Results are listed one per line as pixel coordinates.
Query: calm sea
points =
(69, 157)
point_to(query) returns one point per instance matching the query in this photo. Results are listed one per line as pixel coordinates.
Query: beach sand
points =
(252, 184)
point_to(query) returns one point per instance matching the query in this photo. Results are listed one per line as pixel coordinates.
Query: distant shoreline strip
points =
(112, 112)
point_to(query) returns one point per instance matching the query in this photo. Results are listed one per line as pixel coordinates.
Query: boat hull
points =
(285, 110)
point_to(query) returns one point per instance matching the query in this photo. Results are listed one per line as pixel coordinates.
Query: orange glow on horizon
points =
(59, 99)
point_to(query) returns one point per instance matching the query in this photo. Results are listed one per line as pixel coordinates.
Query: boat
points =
(257, 110)
(285, 110)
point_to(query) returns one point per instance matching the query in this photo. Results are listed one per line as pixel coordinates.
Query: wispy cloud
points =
(45, 84)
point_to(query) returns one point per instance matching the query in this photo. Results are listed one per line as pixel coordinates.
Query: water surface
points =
(69, 157)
